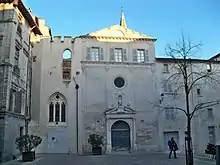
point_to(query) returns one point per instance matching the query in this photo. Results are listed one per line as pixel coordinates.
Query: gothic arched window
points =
(57, 109)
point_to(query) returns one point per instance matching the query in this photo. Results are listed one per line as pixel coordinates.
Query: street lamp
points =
(77, 112)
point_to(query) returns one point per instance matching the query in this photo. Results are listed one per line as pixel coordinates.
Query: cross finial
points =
(122, 19)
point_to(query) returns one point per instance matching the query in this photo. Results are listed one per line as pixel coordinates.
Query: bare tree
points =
(185, 73)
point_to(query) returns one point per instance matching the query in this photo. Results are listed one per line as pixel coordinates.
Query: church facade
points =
(107, 82)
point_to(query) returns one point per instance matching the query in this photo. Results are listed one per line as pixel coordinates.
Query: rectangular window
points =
(210, 113)
(13, 100)
(66, 75)
(170, 113)
(1, 40)
(209, 68)
(21, 131)
(16, 57)
(211, 131)
(140, 55)
(165, 68)
(118, 55)
(167, 113)
(167, 87)
(198, 92)
(18, 99)
(95, 55)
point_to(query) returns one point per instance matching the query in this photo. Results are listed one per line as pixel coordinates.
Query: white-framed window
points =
(57, 109)
(140, 55)
(95, 54)
(169, 113)
(165, 68)
(118, 55)
(211, 132)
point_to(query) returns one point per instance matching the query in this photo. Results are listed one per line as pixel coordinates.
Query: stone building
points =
(119, 80)
(16, 25)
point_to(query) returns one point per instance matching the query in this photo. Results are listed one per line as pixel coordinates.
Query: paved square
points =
(112, 159)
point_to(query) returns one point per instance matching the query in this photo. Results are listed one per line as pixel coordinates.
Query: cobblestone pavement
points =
(113, 159)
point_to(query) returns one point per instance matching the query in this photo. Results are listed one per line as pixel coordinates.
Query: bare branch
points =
(170, 107)
(204, 105)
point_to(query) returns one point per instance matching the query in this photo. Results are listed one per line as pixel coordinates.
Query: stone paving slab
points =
(111, 159)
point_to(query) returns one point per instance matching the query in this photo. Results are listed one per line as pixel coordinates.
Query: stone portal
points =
(121, 129)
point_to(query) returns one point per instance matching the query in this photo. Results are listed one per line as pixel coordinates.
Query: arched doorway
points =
(120, 136)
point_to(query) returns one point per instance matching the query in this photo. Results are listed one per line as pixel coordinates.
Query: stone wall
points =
(94, 123)
(11, 126)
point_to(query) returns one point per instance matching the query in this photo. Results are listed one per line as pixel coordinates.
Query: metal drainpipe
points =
(77, 118)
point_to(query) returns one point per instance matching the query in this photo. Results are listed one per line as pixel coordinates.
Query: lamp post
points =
(77, 112)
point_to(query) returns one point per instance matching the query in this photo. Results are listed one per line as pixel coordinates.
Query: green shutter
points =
(101, 54)
(112, 56)
(125, 55)
(146, 56)
(88, 53)
(134, 54)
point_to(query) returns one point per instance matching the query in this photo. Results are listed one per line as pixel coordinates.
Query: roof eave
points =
(20, 5)
(29, 18)
(137, 39)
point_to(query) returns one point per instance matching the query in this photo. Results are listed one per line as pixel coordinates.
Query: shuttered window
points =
(140, 55)
(118, 55)
(95, 54)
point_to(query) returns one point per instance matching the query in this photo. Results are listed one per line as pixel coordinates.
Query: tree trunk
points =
(189, 144)
(189, 138)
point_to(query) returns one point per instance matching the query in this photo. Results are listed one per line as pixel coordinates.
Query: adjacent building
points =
(16, 26)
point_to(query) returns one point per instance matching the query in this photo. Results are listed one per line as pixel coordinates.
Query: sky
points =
(162, 19)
